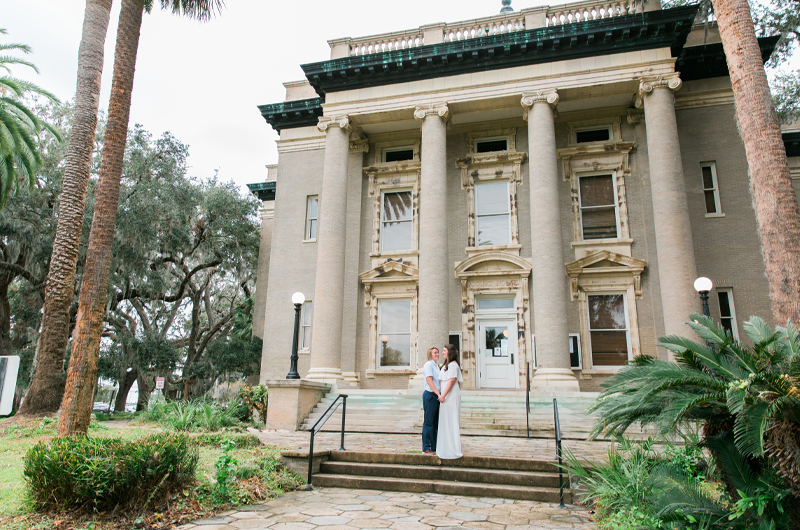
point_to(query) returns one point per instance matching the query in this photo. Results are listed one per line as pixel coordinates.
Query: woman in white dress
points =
(448, 444)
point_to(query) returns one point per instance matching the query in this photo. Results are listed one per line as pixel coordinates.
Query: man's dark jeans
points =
(430, 424)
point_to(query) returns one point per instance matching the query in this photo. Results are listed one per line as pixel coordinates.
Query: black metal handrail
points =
(558, 454)
(528, 398)
(314, 429)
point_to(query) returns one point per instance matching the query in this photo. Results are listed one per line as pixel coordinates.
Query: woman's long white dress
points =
(448, 444)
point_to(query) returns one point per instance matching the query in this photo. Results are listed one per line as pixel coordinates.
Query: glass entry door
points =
(497, 353)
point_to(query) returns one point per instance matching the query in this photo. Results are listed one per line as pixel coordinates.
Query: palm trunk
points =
(76, 408)
(47, 384)
(774, 200)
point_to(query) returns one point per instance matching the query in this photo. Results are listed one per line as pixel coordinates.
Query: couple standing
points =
(441, 402)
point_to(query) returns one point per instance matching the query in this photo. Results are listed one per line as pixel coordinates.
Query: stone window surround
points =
(484, 167)
(481, 283)
(510, 134)
(380, 147)
(622, 278)
(599, 158)
(400, 282)
(393, 176)
(600, 173)
(306, 229)
(305, 348)
(717, 199)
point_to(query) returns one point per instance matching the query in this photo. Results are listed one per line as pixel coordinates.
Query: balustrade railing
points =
(484, 27)
(585, 11)
(387, 42)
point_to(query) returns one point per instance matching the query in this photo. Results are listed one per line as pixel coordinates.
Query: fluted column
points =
(676, 262)
(326, 344)
(548, 281)
(434, 271)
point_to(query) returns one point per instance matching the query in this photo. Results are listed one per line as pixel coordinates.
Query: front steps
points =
(483, 412)
(478, 476)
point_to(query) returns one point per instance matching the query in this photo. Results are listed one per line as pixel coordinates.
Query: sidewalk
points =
(347, 509)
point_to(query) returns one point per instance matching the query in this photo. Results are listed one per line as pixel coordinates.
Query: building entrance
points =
(497, 353)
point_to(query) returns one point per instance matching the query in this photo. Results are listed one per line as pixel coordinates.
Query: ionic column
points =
(434, 271)
(326, 344)
(548, 281)
(676, 262)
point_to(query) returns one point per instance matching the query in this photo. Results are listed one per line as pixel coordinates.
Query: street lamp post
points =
(703, 285)
(297, 300)
(384, 341)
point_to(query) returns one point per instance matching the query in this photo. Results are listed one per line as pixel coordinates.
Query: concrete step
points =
(503, 491)
(420, 459)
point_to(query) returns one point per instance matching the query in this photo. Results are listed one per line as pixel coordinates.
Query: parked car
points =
(130, 407)
(99, 406)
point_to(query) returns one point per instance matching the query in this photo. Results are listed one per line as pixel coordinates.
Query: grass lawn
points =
(16, 439)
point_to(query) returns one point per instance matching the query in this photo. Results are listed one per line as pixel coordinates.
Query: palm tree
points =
(774, 200)
(742, 396)
(47, 384)
(19, 126)
(82, 373)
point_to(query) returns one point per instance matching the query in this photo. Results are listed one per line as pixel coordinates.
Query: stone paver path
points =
(534, 448)
(349, 509)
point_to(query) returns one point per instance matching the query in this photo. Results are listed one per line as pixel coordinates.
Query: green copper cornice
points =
(265, 191)
(652, 29)
(289, 114)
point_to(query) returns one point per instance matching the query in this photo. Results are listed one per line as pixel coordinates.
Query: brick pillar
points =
(676, 263)
(434, 271)
(326, 344)
(548, 282)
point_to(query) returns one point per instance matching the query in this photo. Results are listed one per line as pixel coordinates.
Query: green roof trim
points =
(265, 191)
(708, 60)
(652, 29)
(290, 114)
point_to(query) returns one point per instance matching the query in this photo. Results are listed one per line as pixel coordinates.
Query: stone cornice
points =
(326, 122)
(529, 99)
(649, 30)
(422, 112)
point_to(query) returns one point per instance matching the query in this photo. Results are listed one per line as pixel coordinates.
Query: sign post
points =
(160, 383)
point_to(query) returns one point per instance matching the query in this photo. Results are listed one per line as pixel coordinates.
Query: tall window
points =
(598, 207)
(305, 325)
(396, 221)
(608, 330)
(727, 313)
(711, 188)
(394, 333)
(311, 217)
(492, 214)
(575, 351)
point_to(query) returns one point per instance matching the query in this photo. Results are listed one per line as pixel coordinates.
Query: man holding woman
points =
(441, 428)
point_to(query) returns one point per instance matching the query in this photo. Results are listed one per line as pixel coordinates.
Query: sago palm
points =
(19, 126)
(752, 393)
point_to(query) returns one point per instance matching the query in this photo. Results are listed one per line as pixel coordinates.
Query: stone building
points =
(541, 187)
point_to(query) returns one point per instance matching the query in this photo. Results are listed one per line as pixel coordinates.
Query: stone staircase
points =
(479, 476)
(483, 412)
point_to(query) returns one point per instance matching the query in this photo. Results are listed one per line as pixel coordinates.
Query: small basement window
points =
(599, 134)
(398, 154)
(489, 145)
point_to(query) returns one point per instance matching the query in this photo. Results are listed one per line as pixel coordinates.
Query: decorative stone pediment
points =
(605, 268)
(493, 264)
(390, 271)
(490, 166)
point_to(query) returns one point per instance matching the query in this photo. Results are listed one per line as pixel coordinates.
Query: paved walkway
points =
(534, 448)
(348, 509)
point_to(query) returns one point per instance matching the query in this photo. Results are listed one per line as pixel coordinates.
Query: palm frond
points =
(749, 429)
(202, 10)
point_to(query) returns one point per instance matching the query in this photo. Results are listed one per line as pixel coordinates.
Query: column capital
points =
(436, 109)
(648, 83)
(326, 122)
(529, 99)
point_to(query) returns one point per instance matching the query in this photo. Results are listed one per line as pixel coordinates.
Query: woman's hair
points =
(451, 356)
(430, 352)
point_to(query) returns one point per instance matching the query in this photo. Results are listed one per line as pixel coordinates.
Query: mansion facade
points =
(541, 188)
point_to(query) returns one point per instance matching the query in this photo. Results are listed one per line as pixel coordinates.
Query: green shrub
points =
(256, 398)
(216, 439)
(191, 416)
(102, 473)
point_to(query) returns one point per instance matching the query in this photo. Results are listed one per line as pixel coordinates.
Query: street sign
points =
(159, 383)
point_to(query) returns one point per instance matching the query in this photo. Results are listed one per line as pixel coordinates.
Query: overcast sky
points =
(203, 81)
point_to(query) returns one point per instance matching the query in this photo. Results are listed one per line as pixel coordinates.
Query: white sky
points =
(203, 81)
